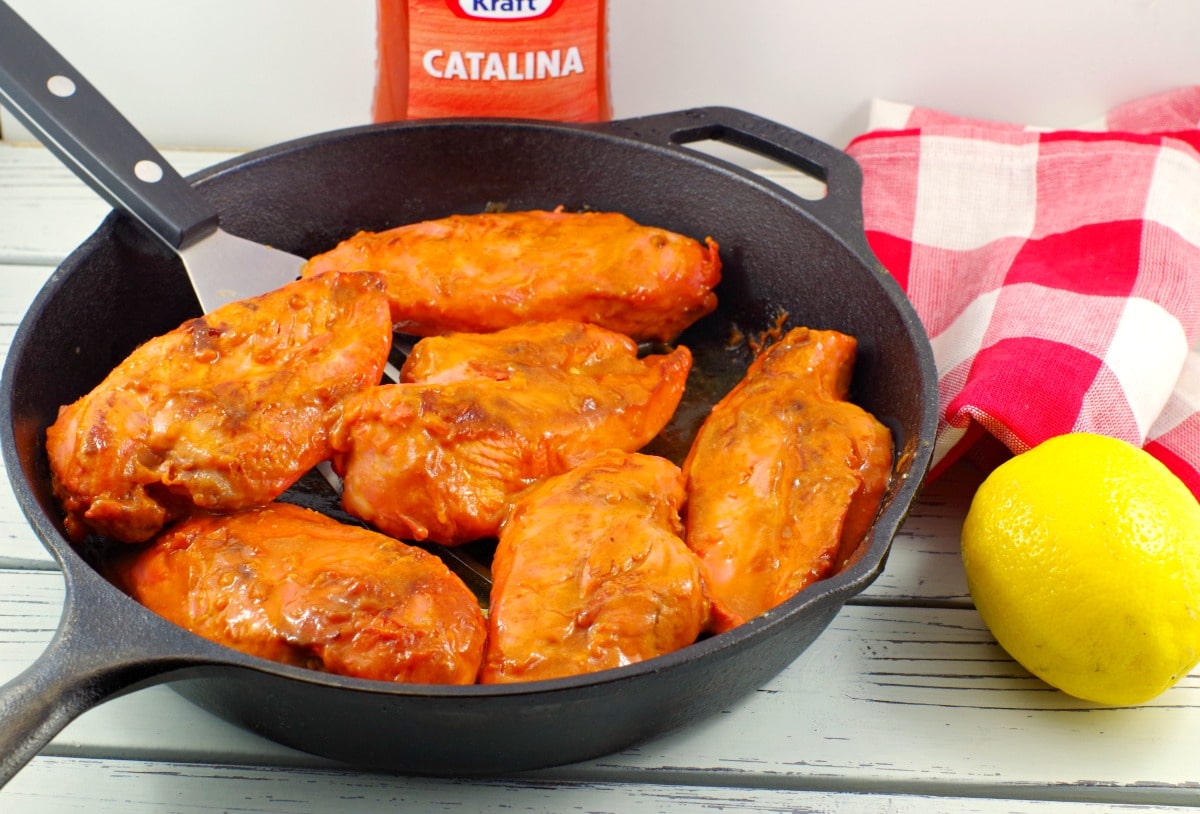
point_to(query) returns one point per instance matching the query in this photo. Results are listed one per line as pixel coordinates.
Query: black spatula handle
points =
(90, 136)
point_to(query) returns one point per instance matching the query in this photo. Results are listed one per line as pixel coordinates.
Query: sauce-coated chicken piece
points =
(785, 476)
(224, 412)
(490, 271)
(558, 350)
(291, 585)
(441, 458)
(591, 572)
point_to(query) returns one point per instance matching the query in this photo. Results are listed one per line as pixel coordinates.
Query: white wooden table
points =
(905, 704)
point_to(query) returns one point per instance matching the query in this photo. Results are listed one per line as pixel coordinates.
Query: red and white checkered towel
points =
(1057, 272)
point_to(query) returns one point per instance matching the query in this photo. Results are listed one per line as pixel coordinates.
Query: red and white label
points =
(504, 10)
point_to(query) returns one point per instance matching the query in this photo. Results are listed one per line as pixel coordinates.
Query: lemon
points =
(1083, 557)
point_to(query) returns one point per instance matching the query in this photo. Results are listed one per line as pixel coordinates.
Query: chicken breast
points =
(291, 585)
(490, 271)
(223, 413)
(441, 455)
(591, 572)
(785, 476)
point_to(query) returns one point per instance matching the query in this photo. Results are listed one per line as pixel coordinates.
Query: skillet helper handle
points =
(840, 209)
(91, 137)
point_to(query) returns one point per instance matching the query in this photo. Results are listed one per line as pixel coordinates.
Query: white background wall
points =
(245, 73)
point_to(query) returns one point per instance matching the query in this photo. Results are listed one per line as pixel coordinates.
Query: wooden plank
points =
(19, 546)
(910, 699)
(46, 211)
(923, 566)
(61, 785)
(904, 700)
(19, 284)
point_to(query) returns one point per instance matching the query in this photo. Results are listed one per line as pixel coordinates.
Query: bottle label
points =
(541, 59)
(504, 9)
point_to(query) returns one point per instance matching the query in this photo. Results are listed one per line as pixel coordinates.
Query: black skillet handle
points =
(91, 137)
(97, 653)
(841, 208)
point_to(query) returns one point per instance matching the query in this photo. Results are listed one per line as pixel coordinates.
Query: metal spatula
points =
(104, 149)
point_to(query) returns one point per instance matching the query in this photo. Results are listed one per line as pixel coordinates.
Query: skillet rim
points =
(830, 594)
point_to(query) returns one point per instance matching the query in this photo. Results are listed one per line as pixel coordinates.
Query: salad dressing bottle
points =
(536, 59)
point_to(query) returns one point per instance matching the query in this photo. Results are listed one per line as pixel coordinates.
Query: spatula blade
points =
(224, 267)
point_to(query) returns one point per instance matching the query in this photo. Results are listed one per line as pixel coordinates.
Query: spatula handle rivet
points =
(60, 86)
(148, 171)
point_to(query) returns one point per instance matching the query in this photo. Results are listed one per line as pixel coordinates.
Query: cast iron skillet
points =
(784, 257)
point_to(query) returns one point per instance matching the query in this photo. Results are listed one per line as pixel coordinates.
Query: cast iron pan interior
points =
(783, 257)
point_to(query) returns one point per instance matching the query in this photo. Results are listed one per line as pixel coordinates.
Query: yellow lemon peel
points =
(1083, 558)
